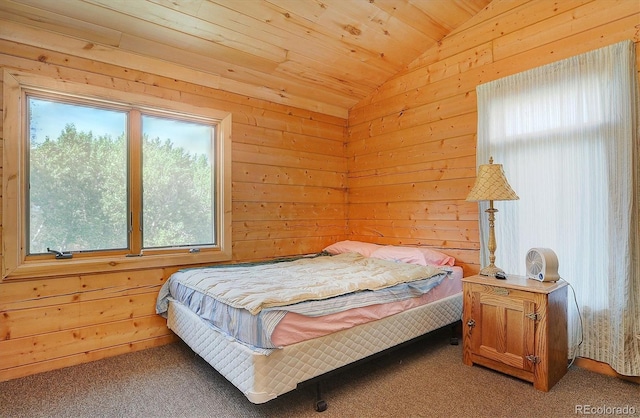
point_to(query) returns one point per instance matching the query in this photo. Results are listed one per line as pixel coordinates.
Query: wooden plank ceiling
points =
(321, 55)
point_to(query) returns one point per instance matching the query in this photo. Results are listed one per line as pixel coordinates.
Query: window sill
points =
(78, 266)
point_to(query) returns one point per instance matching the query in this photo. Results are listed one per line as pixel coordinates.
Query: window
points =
(177, 169)
(567, 137)
(101, 180)
(77, 177)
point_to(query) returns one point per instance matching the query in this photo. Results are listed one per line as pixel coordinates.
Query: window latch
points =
(60, 254)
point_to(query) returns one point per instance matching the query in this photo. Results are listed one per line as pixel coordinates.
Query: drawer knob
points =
(471, 323)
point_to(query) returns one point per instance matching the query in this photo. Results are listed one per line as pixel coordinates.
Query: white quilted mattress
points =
(264, 377)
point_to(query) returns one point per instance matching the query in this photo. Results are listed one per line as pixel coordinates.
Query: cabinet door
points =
(502, 331)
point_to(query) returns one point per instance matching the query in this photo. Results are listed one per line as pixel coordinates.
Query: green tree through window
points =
(78, 193)
(176, 194)
(79, 183)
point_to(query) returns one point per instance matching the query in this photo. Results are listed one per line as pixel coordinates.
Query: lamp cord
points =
(577, 346)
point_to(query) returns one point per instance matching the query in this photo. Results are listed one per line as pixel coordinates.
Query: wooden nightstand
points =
(516, 326)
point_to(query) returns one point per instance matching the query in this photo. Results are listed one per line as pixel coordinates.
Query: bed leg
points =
(456, 332)
(321, 405)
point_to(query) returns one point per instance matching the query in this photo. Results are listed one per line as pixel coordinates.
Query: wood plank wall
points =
(289, 197)
(412, 143)
(402, 178)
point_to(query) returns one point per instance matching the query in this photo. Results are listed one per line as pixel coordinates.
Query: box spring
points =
(263, 377)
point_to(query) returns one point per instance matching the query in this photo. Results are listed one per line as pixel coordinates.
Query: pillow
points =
(364, 248)
(414, 255)
(409, 255)
(436, 258)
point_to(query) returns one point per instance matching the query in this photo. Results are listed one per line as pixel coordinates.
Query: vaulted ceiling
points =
(323, 55)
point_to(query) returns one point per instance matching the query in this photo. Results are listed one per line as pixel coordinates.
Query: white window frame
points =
(15, 263)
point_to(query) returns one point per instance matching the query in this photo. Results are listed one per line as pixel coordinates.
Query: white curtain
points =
(567, 136)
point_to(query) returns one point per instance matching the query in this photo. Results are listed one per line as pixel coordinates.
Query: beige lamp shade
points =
(491, 184)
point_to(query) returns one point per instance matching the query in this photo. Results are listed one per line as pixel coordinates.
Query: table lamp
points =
(491, 184)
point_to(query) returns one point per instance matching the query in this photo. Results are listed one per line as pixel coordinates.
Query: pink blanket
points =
(294, 328)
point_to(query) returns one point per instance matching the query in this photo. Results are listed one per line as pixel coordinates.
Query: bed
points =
(356, 300)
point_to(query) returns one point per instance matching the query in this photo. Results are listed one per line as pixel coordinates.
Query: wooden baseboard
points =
(603, 368)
